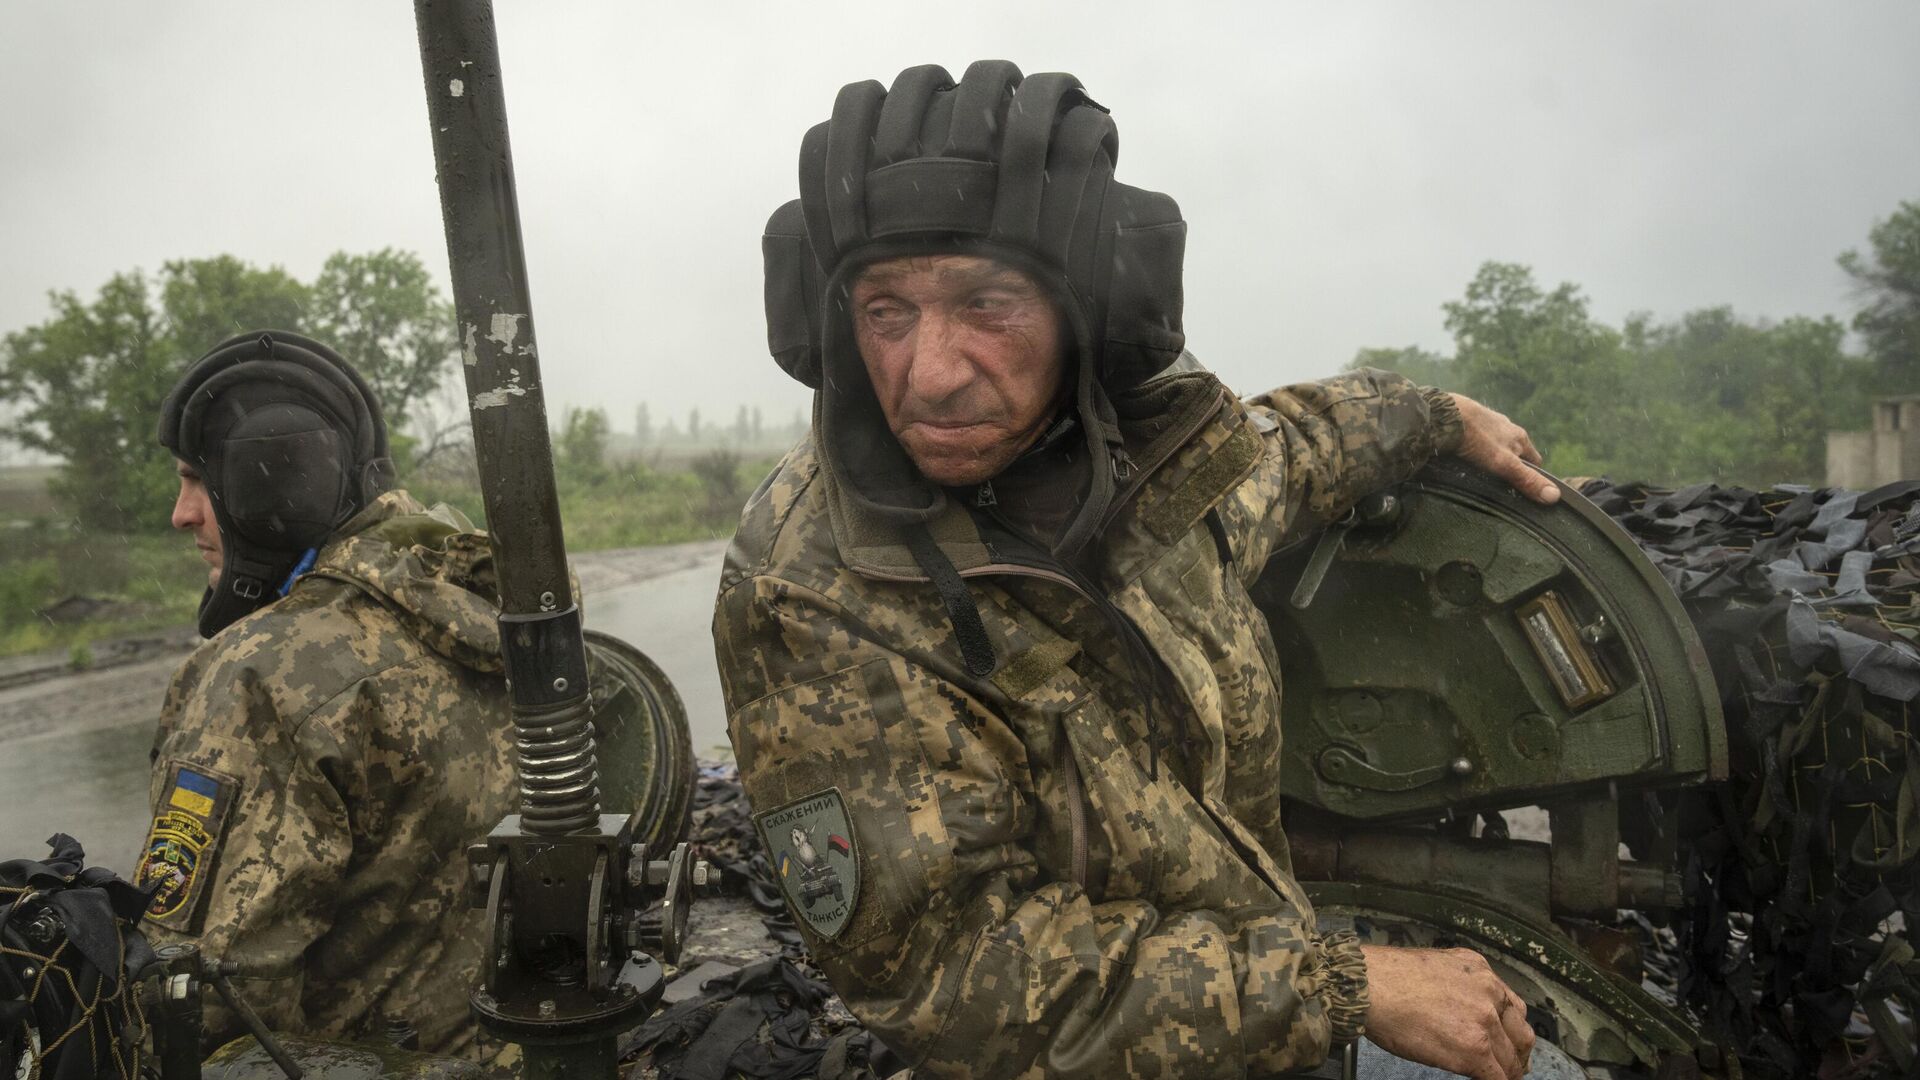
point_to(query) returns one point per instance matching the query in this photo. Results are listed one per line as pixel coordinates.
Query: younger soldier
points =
(324, 759)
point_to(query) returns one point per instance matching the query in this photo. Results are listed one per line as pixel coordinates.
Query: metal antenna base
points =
(563, 996)
(571, 1033)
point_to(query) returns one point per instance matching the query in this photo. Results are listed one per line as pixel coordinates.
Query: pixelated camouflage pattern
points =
(365, 716)
(1039, 895)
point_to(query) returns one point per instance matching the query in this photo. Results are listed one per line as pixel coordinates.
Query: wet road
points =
(73, 751)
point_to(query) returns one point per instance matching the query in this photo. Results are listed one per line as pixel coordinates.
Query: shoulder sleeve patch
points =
(810, 842)
(177, 861)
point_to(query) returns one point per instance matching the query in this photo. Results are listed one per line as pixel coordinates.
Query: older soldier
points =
(324, 759)
(986, 638)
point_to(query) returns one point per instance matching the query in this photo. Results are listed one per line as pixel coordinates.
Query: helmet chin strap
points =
(247, 583)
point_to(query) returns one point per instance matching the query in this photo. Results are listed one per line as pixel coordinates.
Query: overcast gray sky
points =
(1343, 168)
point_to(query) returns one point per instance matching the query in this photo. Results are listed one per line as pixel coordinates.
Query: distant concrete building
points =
(1889, 452)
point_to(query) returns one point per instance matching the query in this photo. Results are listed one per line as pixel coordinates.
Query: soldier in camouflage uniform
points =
(989, 656)
(323, 760)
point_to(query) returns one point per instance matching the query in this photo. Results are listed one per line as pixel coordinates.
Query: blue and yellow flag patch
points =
(193, 792)
(177, 860)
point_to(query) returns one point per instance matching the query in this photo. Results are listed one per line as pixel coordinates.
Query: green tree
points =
(1540, 357)
(1691, 385)
(1733, 400)
(1814, 386)
(1706, 396)
(206, 301)
(1888, 279)
(86, 384)
(1423, 367)
(719, 474)
(582, 451)
(382, 312)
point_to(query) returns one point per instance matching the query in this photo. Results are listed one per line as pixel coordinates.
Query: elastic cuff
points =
(1443, 419)
(1344, 986)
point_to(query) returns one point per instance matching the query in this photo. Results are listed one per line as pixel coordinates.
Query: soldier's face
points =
(193, 512)
(965, 356)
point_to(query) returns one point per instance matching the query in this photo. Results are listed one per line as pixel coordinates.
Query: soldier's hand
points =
(1503, 448)
(1446, 1008)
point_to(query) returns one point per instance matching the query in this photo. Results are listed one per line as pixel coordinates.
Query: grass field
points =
(142, 582)
(23, 493)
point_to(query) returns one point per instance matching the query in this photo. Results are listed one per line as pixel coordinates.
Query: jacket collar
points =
(429, 568)
(1187, 440)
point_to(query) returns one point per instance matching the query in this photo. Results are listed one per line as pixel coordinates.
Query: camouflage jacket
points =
(1028, 886)
(321, 766)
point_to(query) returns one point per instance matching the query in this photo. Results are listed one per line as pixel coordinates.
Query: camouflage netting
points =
(70, 950)
(1801, 870)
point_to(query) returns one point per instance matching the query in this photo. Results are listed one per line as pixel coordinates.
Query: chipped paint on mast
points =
(481, 213)
(541, 643)
(560, 983)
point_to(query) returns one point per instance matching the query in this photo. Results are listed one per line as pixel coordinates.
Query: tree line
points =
(749, 428)
(1709, 395)
(86, 385)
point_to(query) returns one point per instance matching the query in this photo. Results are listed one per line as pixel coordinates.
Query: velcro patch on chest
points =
(1179, 510)
(177, 861)
(811, 844)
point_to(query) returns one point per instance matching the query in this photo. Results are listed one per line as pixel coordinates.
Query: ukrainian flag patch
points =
(194, 792)
(176, 863)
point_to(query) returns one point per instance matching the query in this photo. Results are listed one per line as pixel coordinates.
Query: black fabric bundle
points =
(773, 1020)
(1808, 603)
(722, 829)
(72, 951)
(759, 1022)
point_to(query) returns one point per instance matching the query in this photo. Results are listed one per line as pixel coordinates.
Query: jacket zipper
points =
(1141, 474)
(1076, 792)
(988, 570)
(1076, 810)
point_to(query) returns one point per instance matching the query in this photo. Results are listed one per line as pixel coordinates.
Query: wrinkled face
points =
(965, 355)
(193, 512)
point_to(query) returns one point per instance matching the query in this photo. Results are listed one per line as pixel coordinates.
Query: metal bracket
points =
(1343, 766)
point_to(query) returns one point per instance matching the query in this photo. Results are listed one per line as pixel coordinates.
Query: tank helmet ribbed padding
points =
(290, 443)
(994, 161)
(1017, 169)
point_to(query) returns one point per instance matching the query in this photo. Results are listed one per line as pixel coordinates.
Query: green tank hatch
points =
(1462, 648)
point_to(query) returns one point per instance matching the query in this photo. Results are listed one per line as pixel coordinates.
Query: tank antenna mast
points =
(563, 883)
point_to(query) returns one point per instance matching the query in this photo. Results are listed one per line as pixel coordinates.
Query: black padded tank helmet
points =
(1018, 169)
(289, 441)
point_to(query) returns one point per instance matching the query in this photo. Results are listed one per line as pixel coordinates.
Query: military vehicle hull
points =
(1454, 650)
